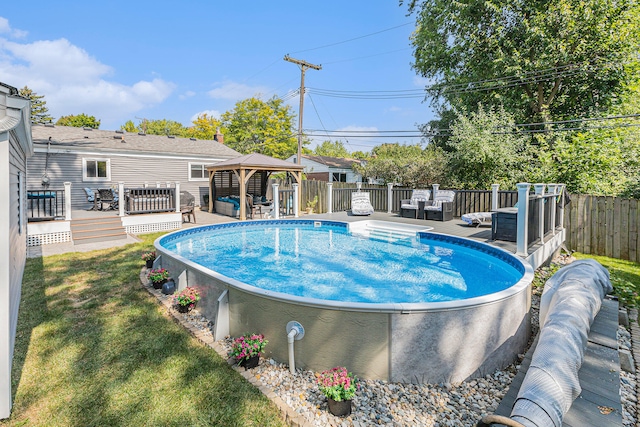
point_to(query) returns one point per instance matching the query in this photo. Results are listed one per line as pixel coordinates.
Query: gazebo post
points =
(243, 196)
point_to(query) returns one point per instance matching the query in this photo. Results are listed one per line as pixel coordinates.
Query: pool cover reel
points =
(570, 301)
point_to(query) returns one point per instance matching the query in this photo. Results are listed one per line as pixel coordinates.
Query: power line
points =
(353, 39)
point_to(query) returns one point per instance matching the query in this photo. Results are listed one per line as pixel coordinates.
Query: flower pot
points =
(339, 409)
(249, 363)
(185, 308)
(149, 263)
(169, 287)
(158, 285)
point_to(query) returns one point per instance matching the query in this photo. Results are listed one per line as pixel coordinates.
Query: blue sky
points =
(120, 60)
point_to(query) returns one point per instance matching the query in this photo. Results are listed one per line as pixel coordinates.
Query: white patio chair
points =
(361, 203)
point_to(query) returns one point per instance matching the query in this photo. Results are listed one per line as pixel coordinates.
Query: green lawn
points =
(625, 277)
(95, 349)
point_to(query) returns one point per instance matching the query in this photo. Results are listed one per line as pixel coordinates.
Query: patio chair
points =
(414, 207)
(441, 207)
(106, 198)
(477, 218)
(361, 203)
(252, 208)
(92, 197)
(187, 206)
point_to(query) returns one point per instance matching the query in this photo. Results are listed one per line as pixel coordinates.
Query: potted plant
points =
(186, 300)
(148, 258)
(247, 348)
(311, 204)
(158, 277)
(339, 386)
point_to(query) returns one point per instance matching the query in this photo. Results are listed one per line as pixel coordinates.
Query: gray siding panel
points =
(17, 239)
(134, 171)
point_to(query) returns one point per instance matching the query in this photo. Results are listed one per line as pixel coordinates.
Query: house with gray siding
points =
(15, 148)
(94, 159)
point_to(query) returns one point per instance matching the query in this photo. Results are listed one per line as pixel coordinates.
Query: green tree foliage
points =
(405, 165)
(256, 126)
(39, 110)
(131, 127)
(486, 149)
(162, 127)
(204, 127)
(332, 149)
(563, 58)
(155, 127)
(79, 121)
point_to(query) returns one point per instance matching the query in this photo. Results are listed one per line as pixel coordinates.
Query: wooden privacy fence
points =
(600, 225)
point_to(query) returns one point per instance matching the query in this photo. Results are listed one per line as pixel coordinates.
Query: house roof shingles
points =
(109, 141)
(334, 162)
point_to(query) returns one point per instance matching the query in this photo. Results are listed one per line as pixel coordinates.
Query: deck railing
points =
(149, 200)
(43, 205)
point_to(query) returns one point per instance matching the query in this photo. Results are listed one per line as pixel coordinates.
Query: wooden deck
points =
(455, 227)
(599, 402)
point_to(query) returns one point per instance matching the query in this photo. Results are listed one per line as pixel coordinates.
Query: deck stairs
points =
(92, 230)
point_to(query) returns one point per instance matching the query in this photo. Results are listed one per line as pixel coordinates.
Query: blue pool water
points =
(328, 263)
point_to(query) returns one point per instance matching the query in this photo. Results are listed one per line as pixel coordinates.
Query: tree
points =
(541, 60)
(204, 127)
(79, 121)
(405, 165)
(486, 148)
(39, 110)
(332, 149)
(162, 127)
(129, 126)
(256, 126)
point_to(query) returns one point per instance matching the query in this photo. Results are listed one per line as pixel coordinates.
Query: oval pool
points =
(384, 299)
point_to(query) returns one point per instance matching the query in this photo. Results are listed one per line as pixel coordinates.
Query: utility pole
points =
(303, 67)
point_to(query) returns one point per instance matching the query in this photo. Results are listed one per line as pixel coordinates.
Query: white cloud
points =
(211, 113)
(5, 28)
(236, 91)
(73, 81)
(187, 94)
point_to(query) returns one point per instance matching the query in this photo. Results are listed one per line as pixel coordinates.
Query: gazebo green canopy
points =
(244, 167)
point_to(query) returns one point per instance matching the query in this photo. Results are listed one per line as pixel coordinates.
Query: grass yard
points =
(95, 349)
(625, 277)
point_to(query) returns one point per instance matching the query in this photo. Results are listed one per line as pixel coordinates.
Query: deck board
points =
(599, 376)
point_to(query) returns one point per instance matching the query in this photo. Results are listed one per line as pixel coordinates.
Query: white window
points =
(198, 172)
(96, 170)
(339, 177)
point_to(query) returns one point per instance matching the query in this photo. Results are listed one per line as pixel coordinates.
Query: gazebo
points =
(244, 168)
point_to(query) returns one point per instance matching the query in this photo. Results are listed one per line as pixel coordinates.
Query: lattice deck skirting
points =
(48, 238)
(148, 228)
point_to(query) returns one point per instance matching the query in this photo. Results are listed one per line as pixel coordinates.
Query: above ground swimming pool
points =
(384, 299)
